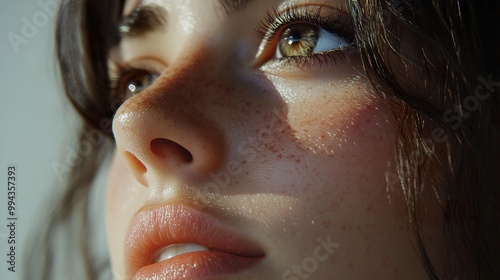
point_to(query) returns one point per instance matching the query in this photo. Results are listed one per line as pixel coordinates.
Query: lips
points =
(178, 242)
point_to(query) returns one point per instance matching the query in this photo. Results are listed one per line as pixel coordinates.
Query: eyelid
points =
(145, 63)
(130, 6)
(275, 17)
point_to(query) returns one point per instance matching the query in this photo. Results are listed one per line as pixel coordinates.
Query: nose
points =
(166, 131)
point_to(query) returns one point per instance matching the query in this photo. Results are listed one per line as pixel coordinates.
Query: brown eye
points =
(302, 39)
(298, 39)
(135, 82)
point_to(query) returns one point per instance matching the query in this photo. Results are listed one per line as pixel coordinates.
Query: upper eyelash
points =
(275, 20)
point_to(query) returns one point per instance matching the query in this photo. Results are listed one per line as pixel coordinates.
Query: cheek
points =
(343, 128)
(345, 136)
(348, 152)
(123, 199)
(343, 142)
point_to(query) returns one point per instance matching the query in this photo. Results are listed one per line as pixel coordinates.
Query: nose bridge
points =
(166, 128)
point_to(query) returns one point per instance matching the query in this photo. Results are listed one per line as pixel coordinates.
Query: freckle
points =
(369, 208)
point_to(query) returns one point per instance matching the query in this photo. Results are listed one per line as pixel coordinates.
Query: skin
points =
(316, 171)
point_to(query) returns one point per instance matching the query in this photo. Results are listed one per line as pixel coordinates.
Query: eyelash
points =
(275, 21)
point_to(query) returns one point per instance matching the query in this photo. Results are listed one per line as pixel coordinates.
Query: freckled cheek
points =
(341, 190)
(343, 123)
(347, 137)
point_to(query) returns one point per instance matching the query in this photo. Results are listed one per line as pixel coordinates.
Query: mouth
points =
(178, 242)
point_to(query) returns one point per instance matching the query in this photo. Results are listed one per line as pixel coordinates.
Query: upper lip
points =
(156, 228)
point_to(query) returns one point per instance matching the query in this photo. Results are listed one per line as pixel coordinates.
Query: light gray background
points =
(36, 125)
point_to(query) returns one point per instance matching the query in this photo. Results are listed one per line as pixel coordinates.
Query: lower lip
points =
(197, 266)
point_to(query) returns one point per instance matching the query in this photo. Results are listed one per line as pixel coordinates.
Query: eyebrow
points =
(233, 6)
(149, 18)
(144, 19)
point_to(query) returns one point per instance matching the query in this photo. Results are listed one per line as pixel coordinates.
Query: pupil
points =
(294, 37)
(299, 39)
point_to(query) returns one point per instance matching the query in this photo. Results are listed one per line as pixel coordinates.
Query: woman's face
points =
(251, 147)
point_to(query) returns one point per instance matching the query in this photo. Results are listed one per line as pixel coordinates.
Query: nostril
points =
(170, 150)
(135, 163)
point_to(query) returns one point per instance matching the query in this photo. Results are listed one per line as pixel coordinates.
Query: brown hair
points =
(445, 83)
(454, 63)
